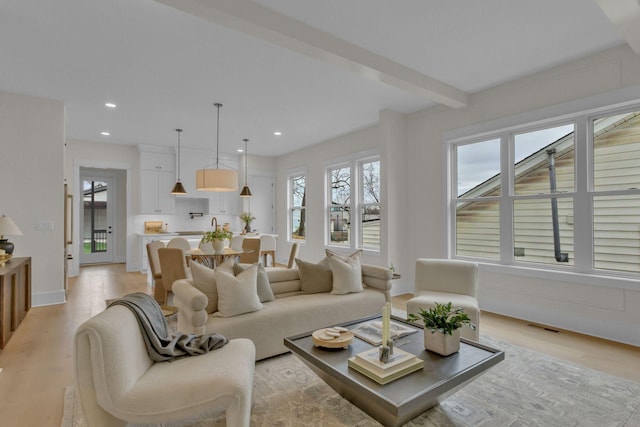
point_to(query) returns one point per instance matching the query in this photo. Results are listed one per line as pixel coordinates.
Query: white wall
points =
(604, 310)
(32, 134)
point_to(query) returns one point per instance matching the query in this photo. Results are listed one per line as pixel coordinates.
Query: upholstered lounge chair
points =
(443, 281)
(118, 383)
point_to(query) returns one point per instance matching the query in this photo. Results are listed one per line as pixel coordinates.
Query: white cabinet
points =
(157, 161)
(225, 203)
(157, 177)
(155, 192)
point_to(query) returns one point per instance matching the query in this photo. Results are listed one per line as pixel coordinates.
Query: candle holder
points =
(385, 351)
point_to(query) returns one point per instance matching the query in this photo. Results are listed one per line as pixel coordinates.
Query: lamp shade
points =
(8, 227)
(216, 180)
(245, 192)
(178, 188)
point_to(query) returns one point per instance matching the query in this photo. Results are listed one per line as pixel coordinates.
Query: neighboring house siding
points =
(616, 218)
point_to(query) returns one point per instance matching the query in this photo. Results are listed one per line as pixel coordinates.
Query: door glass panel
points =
(94, 233)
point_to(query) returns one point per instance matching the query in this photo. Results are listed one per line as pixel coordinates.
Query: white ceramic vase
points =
(218, 245)
(440, 343)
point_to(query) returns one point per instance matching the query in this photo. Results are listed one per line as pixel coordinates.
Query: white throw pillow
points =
(265, 293)
(347, 274)
(205, 280)
(227, 266)
(239, 294)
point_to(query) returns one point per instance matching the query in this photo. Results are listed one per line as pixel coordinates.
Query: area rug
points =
(526, 389)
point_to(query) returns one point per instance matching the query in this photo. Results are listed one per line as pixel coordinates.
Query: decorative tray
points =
(326, 337)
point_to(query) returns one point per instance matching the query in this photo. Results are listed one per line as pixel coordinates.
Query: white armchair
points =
(118, 383)
(443, 281)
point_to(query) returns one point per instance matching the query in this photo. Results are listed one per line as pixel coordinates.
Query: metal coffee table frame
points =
(396, 403)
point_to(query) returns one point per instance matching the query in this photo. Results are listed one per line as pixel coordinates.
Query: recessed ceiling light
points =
(277, 133)
(240, 150)
(110, 105)
(105, 133)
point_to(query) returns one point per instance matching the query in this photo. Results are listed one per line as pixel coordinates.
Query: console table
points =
(15, 295)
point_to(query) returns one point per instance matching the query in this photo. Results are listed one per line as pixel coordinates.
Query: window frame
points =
(354, 163)
(582, 113)
(291, 206)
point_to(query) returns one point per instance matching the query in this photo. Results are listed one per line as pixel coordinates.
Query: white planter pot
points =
(218, 245)
(441, 343)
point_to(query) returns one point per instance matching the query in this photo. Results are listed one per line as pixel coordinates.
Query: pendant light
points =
(245, 190)
(178, 188)
(217, 179)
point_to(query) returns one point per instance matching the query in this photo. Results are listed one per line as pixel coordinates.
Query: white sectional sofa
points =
(293, 311)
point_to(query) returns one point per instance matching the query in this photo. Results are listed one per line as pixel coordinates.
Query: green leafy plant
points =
(218, 234)
(442, 318)
(246, 217)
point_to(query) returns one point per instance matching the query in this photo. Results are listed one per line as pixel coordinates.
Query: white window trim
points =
(290, 207)
(581, 112)
(353, 162)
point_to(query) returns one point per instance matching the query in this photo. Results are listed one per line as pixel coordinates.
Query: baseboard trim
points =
(48, 298)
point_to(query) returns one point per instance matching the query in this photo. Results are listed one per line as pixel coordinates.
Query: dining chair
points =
(252, 245)
(268, 247)
(179, 242)
(293, 254)
(443, 281)
(173, 265)
(236, 243)
(156, 272)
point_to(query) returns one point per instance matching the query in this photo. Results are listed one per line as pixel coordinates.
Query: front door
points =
(96, 213)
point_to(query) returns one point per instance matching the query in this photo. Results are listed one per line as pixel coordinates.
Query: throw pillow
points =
(315, 278)
(237, 294)
(347, 275)
(227, 266)
(265, 293)
(356, 254)
(204, 279)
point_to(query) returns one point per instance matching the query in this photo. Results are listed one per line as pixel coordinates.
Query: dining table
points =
(211, 258)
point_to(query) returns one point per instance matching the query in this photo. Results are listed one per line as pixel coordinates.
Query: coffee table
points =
(397, 402)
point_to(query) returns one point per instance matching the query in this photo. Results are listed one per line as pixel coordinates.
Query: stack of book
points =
(400, 364)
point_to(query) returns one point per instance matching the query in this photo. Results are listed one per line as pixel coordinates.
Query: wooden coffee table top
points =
(401, 400)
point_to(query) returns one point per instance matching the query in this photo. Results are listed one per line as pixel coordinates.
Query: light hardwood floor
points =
(38, 360)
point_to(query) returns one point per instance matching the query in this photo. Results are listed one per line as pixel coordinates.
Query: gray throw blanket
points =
(153, 326)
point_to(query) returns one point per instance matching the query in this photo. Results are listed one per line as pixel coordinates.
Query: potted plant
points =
(217, 237)
(442, 325)
(246, 218)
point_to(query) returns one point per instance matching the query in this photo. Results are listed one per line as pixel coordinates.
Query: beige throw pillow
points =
(347, 274)
(227, 266)
(265, 293)
(315, 278)
(204, 279)
(239, 294)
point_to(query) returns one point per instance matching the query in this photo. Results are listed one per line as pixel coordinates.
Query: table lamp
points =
(7, 228)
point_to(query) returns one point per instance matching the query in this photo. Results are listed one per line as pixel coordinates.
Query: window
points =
(370, 204)
(340, 206)
(297, 206)
(565, 195)
(354, 204)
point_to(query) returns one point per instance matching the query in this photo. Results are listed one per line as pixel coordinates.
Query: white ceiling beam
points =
(254, 19)
(625, 15)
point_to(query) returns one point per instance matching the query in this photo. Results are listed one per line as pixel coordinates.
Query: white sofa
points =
(292, 312)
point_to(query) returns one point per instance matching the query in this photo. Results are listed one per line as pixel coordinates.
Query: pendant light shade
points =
(178, 188)
(217, 179)
(245, 190)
